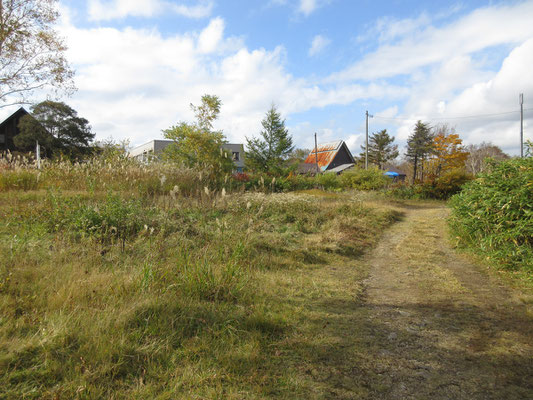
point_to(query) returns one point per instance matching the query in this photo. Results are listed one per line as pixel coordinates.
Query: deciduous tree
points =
(297, 156)
(31, 52)
(270, 152)
(197, 145)
(448, 152)
(476, 161)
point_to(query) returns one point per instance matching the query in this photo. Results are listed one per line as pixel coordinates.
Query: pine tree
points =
(419, 146)
(380, 149)
(272, 150)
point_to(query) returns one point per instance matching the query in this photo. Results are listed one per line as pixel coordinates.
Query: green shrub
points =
(403, 190)
(113, 220)
(494, 213)
(278, 184)
(328, 181)
(364, 179)
(302, 182)
(441, 188)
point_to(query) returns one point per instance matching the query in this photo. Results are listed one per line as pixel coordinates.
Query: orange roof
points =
(325, 153)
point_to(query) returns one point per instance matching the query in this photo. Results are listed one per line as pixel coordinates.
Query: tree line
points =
(431, 152)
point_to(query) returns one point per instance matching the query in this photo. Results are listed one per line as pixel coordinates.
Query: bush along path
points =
(437, 326)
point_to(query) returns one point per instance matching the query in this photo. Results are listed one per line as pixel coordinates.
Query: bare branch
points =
(31, 52)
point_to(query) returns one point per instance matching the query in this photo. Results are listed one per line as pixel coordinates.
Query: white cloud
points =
(135, 82)
(318, 44)
(303, 7)
(411, 44)
(387, 29)
(494, 96)
(448, 70)
(101, 10)
(455, 91)
(201, 10)
(306, 7)
(390, 112)
(211, 36)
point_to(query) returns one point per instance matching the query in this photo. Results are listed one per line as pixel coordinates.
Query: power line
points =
(452, 118)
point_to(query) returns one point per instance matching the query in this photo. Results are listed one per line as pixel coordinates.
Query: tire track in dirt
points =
(437, 326)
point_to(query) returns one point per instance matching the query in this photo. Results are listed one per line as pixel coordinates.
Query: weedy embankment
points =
(134, 282)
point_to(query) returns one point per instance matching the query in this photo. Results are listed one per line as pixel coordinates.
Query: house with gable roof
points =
(331, 157)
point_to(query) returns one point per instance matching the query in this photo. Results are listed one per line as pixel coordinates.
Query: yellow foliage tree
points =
(448, 153)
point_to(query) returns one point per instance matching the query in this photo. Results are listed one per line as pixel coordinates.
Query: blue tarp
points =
(388, 173)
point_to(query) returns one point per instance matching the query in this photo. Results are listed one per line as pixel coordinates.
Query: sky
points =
(140, 64)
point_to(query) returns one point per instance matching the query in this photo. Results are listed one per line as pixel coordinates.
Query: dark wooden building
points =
(9, 129)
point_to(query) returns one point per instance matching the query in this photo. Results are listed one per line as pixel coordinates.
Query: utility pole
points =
(521, 99)
(316, 154)
(366, 142)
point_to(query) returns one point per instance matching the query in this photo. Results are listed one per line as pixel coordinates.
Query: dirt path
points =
(437, 327)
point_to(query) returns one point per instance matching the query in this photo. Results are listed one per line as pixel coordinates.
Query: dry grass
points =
(204, 295)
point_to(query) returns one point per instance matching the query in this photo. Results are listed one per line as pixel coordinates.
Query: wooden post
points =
(38, 154)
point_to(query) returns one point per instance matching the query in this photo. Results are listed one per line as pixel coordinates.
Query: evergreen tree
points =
(380, 149)
(270, 152)
(57, 127)
(419, 146)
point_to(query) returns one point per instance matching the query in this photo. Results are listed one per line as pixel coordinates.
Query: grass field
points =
(110, 293)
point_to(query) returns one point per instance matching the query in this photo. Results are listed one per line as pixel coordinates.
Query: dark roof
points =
(9, 129)
(17, 114)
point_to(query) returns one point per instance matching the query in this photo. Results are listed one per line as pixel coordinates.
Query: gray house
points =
(237, 154)
(148, 151)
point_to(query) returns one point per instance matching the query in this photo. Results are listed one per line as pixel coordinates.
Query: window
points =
(2, 139)
(235, 155)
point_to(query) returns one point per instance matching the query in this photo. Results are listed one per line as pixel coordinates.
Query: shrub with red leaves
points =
(241, 177)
